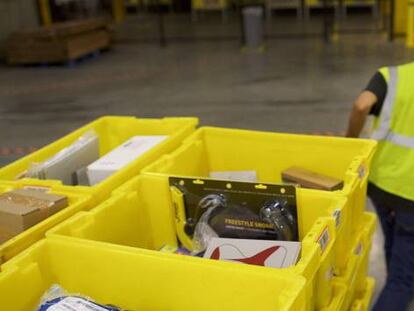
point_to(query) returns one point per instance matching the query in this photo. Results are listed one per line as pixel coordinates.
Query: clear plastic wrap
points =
(66, 163)
(57, 299)
(273, 212)
(203, 233)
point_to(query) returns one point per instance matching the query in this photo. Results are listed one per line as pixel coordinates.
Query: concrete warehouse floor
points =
(298, 85)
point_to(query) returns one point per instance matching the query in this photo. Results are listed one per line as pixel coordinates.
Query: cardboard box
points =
(275, 254)
(4, 236)
(311, 180)
(121, 157)
(21, 209)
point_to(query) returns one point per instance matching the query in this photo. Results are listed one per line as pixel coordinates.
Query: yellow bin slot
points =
(268, 154)
(135, 279)
(358, 262)
(76, 202)
(144, 218)
(346, 240)
(370, 220)
(363, 303)
(350, 276)
(112, 132)
(339, 292)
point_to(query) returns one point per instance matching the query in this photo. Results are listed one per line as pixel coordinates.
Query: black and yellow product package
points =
(240, 210)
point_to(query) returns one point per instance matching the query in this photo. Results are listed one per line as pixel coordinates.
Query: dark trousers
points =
(397, 221)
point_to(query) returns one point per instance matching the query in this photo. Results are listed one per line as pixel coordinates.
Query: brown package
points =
(311, 180)
(21, 209)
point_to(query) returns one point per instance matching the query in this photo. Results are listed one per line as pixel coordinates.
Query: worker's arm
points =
(362, 106)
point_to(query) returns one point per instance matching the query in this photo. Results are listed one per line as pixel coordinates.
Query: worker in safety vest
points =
(389, 96)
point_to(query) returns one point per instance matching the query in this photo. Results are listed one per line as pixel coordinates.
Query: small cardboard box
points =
(121, 157)
(21, 209)
(275, 254)
(311, 180)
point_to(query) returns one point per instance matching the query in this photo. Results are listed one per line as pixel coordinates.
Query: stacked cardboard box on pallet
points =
(60, 42)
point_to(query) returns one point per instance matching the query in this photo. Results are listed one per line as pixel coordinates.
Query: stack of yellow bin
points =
(108, 250)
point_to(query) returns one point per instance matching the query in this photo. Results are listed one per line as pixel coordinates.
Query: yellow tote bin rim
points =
(358, 167)
(87, 226)
(176, 128)
(306, 266)
(212, 148)
(178, 282)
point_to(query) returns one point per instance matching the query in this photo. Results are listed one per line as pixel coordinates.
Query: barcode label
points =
(361, 171)
(359, 249)
(330, 274)
(75, 303)
(324, 239)
(337, 215)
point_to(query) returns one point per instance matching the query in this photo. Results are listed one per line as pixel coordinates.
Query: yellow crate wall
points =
(134, 279)
(144, 217)
(370, 221)
(218, 149)
(364, 299)
(355, 267)
(339, 292)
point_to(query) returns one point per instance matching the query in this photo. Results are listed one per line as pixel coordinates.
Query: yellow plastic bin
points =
(339, 292)
(357, 262)
(364, 301)
(135, 279)
(370, 221)
(145, 218)
(112, 132)
(268, 154)
(76, 202)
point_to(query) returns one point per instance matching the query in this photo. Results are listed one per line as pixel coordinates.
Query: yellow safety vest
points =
(393, 164)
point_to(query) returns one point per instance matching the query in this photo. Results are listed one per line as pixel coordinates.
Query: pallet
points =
(64, 29)
(70, 63)
(66, 43)
(59, 50)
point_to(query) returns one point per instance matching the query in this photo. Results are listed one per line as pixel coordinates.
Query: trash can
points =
(253, 26)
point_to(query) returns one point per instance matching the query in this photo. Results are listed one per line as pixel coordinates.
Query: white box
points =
(121, 157)
(275, 254)
(247, 176)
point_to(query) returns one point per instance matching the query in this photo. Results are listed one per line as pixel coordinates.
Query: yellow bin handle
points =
(180, 218)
